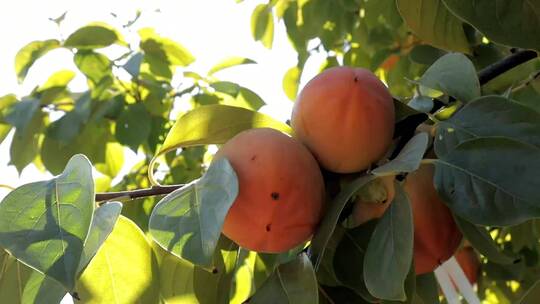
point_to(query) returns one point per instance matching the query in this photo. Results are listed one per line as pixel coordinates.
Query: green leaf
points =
(164, 49)
(93, 36)
(44, 224)
(390, 251)
(123, 270)
(94, 66)
(188, 221)
(293, 282)
(291, 80)
(21, 284)
(427, 288)
(403, 111)
(252, 270)
(228, 63)
(435, 24)
(6, 102)
(511, 23)
(480, 239)
(331, 218)
(114, 160)
(59, 79)
(455, 75)
(408, 159)
(20, 114)
(90, 142)
(103, 222)
(488, 116)
(348, 261)
(133, 126)
(31, 52)
(532, 294)
(262, 25)
(25, 145)
(248, 99)
(421, 104)
(227, 87)
(425, 54)
(215, 124)
(490, 181)
(133, 65)
(68, 126)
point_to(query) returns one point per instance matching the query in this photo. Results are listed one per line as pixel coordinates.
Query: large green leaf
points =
(44, 224)
(488, 116)
(512, 23)
(434, 23)
(262, 24)
(31, 52)
(103, 222)
(293, 282)
(390, 250)
(215, 124)
(164, 49)
(93, 36)
(124, 269)
(21, 284)
(453, 74)
(230, 62)
(331, 218)
(480, 239)
(490, 180)
(188, 221)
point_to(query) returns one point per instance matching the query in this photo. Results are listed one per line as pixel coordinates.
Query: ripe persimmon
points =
(345, 116)
(281, 191)
(436, 235)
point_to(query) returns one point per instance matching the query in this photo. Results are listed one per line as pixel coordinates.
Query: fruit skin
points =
(469, 262)
(436, 235)
(281, 191)
(365, 211)
(345, 116)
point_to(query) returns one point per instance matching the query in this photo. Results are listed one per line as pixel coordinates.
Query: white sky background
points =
(211, 29)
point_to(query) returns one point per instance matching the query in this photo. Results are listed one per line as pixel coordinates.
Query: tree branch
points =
(505, 64)
(138, 193)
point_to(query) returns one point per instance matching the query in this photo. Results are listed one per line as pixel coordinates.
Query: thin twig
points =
(138, 193)
(505, 64)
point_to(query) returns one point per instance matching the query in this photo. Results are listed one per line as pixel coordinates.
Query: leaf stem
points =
(505, 64)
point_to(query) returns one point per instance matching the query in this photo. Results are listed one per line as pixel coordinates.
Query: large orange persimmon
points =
(345, 116)
(281, 191)
(436, 235)
(364, 210)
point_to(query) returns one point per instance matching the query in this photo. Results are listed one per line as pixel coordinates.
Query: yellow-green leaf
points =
(31, 52)
(123, 270)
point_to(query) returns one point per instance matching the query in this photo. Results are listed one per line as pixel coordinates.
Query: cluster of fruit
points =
(342, 121)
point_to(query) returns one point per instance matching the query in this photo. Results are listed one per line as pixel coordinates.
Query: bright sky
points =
(212, 30)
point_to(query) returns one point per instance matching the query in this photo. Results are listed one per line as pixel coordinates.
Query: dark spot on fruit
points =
(356, 79)
(253, 157)
(275, 196)
(268, 227)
